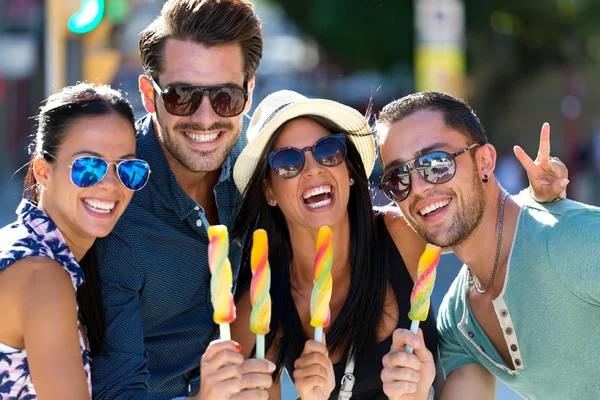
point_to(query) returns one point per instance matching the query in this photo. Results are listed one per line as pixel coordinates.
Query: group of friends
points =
(104, 277)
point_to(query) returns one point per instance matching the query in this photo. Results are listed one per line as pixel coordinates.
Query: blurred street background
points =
(518, 63)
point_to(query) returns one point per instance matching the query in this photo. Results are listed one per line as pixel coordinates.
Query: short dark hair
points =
(458, 115)
(206, 22)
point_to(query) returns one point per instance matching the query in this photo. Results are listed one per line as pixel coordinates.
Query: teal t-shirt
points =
(549, 308)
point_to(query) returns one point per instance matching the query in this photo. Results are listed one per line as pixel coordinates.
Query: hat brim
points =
(345, 117)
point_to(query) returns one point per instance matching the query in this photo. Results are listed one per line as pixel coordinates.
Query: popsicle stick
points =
(414, 328)
(319, 334)
(260, 347)
(225, 331)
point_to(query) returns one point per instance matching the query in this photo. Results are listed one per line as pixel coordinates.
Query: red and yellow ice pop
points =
(221, 280)
(421, 293)
(260, 319)
(321, 293)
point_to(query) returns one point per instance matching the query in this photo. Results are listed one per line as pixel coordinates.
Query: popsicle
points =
(421, 293)
(321, 293)
(221, 279)
(260, 319)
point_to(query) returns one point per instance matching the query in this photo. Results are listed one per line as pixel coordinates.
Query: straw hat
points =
(284, 105)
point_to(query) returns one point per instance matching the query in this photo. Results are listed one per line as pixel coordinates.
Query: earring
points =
(351, 180)
(271, 202)
(485, 179)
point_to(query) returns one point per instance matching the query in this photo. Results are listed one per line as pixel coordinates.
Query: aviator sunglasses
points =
(87, 171)
(329, 151)
(436, 167)
(183, 100)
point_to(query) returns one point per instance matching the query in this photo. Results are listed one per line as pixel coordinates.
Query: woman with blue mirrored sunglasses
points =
(90, 170)
(48, 267)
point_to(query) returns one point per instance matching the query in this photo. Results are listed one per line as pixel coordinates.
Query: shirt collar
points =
(41, 226)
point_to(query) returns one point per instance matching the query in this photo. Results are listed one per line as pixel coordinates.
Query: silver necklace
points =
(471, 275)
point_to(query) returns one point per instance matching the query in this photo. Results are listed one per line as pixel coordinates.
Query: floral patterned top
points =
(33, 234)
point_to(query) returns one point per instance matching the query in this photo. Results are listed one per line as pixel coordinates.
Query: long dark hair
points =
(56, 115)
(356, 325)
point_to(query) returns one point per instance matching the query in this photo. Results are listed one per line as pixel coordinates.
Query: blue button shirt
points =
(156, 281)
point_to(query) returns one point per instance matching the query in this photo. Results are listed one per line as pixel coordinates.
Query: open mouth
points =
(201, 137)
(99, 207)
(319, 196)
(434, 208)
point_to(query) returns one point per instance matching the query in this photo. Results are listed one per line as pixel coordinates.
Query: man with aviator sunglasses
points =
(200, 58)
(524, 307)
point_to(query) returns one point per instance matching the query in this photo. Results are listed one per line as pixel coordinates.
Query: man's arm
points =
(469, 382)
(121, 371)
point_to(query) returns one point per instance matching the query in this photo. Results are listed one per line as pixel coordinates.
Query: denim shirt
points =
(156, 281)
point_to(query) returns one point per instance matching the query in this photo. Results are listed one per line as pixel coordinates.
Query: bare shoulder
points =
(408, 242)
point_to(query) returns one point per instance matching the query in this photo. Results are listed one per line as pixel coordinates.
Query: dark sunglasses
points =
(436, 167)
(184, 100)
(329, 151)
(89, 170)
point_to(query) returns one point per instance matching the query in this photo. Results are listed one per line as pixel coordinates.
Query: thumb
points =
(421, 351)
(560, 187)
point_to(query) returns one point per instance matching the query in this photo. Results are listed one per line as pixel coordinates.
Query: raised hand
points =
(547, 175)
(407, 376)
(313, 372)
(225, 375)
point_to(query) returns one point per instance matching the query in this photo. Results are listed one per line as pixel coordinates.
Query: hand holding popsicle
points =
(221, 280)
(260, 318)
(321, 293)
(421, 293)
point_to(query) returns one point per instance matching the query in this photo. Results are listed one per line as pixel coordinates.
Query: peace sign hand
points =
(548, 176)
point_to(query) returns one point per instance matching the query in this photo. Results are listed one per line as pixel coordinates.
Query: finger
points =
(221, 359)
(312, 346)
(311, 370)
(224, 374)
(251, 395)
(253, 365)
(227, 387)
(398, 359)
(544, 151)
(216, 346)
(559, 168)
(422, 351)
(558, 188)
(312, 359)
(523, 158)
(402, 338)
(399, 374)
(398, 388)
(311, 382)
(255, 380)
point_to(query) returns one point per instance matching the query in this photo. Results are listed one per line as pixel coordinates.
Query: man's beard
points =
(196, 160)
(464, 222)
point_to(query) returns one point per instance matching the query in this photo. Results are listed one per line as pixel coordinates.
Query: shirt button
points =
(198, 223)
(471, 335)
(518, 362)
(197, 208)
(513, 347)
(509, 331)
(504, 313)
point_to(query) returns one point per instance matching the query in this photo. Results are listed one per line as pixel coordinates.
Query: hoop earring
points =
(485, 179)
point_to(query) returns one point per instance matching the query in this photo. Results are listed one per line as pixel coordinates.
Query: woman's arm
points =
(240, 332)
(50, 331)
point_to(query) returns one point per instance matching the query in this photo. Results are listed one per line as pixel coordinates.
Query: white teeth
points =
(433, 207)
(202, 138)
(316, 191)
(100, 207)
(321, 203)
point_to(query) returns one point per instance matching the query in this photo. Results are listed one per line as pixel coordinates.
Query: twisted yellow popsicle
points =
(221, 280)
(261, 283)
(421, 293)
(321, 293)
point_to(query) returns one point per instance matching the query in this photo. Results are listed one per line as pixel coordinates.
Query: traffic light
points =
(88, 17)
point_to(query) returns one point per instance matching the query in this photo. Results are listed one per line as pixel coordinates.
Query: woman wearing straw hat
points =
(305, 166)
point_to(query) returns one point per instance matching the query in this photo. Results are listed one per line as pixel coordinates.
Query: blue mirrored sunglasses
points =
(88, 171)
